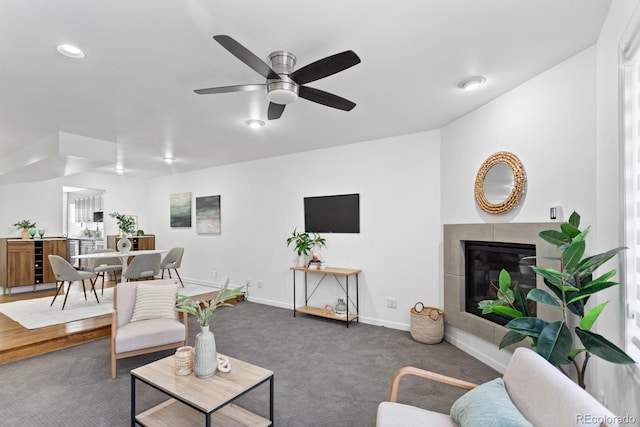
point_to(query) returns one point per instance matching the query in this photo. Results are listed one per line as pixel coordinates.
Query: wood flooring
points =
(18, 342)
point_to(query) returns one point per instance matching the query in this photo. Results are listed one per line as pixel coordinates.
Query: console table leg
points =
(294, 293)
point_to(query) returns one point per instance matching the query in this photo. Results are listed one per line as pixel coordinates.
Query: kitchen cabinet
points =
(26, 262)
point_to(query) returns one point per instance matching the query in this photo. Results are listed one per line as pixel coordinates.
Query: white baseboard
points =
(486, 352)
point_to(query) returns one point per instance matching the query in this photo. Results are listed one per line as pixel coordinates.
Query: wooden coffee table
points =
(193, 397)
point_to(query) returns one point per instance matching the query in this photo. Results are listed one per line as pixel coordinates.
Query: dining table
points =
(124, 256)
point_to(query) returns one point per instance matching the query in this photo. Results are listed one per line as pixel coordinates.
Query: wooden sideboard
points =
(26, 262)
(138, 243)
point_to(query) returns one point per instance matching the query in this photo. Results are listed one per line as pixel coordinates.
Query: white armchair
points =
(145, 320)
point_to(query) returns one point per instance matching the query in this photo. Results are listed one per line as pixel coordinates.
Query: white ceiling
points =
(145, 58)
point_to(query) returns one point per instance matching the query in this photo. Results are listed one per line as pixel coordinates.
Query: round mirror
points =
(500, 183)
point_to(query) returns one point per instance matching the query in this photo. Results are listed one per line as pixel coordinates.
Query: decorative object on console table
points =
(571, 287)
(341, 308)
(126, 225)
(206, 360)
(25, 225)
(304, 244)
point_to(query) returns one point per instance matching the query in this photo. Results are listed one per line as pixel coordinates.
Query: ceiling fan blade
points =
(275, 111)
(246, 56)
(325, 98)
(325, 67)
(227, 89)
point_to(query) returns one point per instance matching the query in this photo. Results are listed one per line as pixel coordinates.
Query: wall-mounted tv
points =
(332, 214)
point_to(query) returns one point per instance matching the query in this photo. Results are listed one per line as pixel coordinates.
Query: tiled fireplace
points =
(455, 294)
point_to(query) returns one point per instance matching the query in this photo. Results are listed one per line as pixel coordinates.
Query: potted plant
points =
(304, 243)
(25, 225)
(126, 225)
(571, 287)
(205, 360)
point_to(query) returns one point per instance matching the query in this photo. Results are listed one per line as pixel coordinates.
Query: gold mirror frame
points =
(519, 179)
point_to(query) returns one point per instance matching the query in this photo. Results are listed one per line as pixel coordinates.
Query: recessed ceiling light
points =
(70, 51)
(254, 124)
(472, 83)
(168, 158)
(119, 169)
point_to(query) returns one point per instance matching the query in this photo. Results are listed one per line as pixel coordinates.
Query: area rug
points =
(38, 312)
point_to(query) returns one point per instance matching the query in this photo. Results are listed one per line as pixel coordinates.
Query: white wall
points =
(262, 202)
(42, 201)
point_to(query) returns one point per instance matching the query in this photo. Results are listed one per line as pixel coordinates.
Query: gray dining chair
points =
(172, 261)
(65, 272)
(100, 266)
(143, 266)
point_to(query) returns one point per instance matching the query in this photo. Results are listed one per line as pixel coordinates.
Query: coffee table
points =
(193, 399)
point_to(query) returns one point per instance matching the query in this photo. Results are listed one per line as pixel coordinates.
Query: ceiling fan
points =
(284, 85)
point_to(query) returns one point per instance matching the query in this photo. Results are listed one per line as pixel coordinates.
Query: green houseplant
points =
(203, 310)
(126, 223)
(571, 287)
(205, 355)
(25, 225)
(304, 243)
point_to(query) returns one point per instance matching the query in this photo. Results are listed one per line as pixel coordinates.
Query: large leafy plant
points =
(304, 242)
(126, 223)
(571, 287)
(205, 308)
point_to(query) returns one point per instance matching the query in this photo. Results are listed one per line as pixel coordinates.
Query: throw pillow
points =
(155, 302)
(487, 405)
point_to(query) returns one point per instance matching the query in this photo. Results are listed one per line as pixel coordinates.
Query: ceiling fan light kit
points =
(283, 84)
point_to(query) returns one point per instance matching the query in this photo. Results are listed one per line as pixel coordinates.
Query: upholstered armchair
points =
(145, 320)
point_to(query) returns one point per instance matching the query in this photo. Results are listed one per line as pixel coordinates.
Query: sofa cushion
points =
(392, 414)
(148, 333)
(487, 405)
(154, 301)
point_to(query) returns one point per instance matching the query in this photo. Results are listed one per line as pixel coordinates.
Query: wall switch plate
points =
(392, 302)
(259, 283)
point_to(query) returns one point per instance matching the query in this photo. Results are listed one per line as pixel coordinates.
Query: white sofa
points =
(539, 391)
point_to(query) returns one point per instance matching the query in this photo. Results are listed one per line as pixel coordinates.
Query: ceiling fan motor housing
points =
(284, 90)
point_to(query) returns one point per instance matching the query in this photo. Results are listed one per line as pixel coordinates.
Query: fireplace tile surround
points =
(455, 236)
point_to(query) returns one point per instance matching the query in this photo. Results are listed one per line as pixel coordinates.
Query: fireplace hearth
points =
(483, 263)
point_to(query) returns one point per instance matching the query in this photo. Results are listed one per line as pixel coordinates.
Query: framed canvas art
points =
(180, 209)
(208, 215)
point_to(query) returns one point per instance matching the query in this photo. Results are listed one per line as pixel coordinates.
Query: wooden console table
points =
(336, 273)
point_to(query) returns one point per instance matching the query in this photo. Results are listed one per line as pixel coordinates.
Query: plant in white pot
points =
(205, 361)
(304, 243)
(126, 225)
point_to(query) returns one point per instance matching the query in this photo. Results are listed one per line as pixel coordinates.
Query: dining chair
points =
(172, 261)
(143, 266)
(100, 266)
(65, 272)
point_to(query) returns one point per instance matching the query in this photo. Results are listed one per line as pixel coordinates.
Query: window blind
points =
(632, 203)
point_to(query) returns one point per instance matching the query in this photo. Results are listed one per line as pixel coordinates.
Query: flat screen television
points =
(332, 214)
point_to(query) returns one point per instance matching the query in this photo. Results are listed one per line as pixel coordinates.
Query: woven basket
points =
(184, 360)
(427, 324)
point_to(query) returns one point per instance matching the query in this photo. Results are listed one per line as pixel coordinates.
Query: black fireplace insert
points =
(483, 263)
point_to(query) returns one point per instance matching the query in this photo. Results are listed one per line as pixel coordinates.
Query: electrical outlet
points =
(392, 302)
(259, 283)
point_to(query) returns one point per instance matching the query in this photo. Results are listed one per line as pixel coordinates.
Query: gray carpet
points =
(325, 374)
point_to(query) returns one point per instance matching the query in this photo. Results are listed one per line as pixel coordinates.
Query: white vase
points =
(124, 244)
(206, 357)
